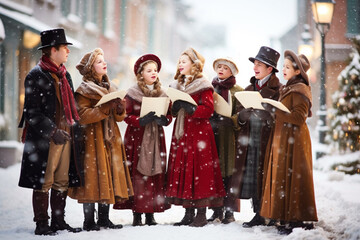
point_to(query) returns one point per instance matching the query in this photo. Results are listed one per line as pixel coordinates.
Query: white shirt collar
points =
(261, 82)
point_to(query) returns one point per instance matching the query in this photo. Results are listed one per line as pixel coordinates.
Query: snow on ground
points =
(337, 198)
(338, 205)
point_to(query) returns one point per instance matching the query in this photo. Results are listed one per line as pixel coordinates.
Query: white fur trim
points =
(228, 63)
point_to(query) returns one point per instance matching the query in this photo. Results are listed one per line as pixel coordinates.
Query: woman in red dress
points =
(194, 176)
(145, 144)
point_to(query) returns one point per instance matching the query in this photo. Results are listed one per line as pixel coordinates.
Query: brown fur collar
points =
(196, 86)
(136, 93)
(90, 89)
(299, 88)
(150, 93)
(273, 82)
(271, 90)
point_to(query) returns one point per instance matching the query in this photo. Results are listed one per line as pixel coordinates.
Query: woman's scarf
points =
(196, 86)
(150, 162)
(67, 96)
(223, 86)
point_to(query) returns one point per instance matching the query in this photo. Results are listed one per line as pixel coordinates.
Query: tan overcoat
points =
(107, 178)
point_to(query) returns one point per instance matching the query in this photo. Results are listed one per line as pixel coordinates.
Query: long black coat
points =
(267, 123)
(39, 114)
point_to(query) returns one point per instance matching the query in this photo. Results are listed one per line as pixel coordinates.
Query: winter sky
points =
(249, 24)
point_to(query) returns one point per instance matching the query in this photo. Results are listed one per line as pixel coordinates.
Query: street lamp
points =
(322, 12)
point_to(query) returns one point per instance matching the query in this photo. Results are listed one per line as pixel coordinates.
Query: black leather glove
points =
(60, 137)
(148, 118)
(244, 115)
(175, 108)
(188, 107)
(268, 107)
(162, 120)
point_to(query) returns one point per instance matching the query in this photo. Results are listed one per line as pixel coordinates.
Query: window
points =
(353, 18)
(65, 7)
(108, 18)
(90, 14)
(70, 11)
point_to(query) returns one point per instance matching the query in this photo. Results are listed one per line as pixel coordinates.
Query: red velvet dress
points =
(148, 190)
(194, 176)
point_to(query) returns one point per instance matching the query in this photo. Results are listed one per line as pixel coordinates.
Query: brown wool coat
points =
(288, 189)
(107, 177)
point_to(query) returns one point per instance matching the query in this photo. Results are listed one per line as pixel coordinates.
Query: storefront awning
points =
(32, 24)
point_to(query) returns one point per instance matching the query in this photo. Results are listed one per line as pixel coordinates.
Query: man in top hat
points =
(51, 134)
(255, 127)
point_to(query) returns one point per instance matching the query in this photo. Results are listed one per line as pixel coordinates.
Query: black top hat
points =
(53, 37)
(268, 56)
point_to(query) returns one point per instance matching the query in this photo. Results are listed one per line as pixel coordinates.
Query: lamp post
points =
(322, 12)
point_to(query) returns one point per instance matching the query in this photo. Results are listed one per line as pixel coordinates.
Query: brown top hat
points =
(301, 61)
(268, 56)
(53, 37)
(144, 59)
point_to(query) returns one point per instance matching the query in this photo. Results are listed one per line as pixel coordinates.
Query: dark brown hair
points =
(293, 63)
(47, 51)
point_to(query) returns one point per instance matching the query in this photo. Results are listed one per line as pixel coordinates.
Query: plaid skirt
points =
(250, 180)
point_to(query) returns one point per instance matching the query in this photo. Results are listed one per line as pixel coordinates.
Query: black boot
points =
(104, 220)
(137, 219)
(57, 203)
(284, 228)
(40, 202)
(200, 219)
(149, 219)
(270, 222)
(256, 221)
(89, 223)
(42, 228)
(229, 217)
(188, 218)
(218, 214)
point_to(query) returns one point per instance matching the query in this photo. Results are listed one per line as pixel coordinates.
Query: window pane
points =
(353, 17)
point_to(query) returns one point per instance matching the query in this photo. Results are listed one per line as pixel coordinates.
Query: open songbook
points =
(110, 96)
(159, 105)
(175, 94)
(221, 106)
(253, 99)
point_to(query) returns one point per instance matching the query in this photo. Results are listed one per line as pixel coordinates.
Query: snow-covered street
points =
(337, 198)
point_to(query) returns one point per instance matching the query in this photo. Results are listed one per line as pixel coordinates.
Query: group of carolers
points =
(74, 147)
